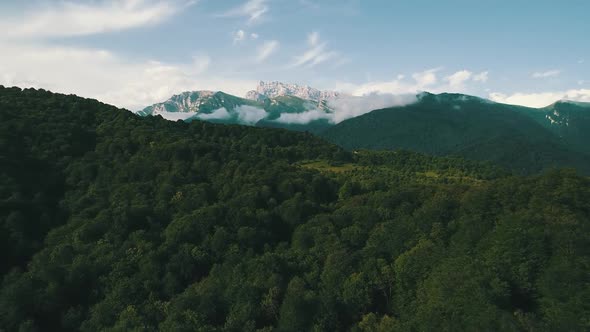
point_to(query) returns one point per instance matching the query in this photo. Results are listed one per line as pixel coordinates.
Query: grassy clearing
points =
(449, 177)
(385, 172)
(325, 166)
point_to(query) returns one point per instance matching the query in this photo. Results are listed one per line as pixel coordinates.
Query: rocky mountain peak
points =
(275, 89)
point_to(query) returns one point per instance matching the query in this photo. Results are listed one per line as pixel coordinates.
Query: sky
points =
(133, 53)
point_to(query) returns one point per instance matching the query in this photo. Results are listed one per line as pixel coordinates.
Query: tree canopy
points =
(110, 221)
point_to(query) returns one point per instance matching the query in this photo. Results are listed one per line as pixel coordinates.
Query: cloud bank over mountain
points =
(541, 99)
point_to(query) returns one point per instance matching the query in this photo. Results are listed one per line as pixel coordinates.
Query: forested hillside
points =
(113, 222)
(525, 140)
(567, 119)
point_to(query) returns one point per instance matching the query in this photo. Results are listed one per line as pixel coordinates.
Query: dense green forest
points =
(113, 222)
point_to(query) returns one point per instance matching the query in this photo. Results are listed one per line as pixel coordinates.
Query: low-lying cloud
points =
(350, 107)
(304, 117)
(347, 107)
(250, 114)
(218, 114)
(342, 108)
(541, 99)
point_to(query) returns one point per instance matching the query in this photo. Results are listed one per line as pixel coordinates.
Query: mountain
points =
(520, 138)
(194, 103)
(275, 89)
(269, 110)
(114, 222)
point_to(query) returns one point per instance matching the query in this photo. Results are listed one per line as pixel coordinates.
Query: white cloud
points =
(239, 36)
(254, 10)
(346, 107)
(218, 114)
(545, 74)
(250, 114)
(458, 79)
(316, 54)
(69, 18)
(349, 107)
(108, 77)
(422, 81)
(541, 99)
(393, 86)
(267, 49)
(200, 65)
(426, 78)
(304, 117)
(481, 77)
(313, 38)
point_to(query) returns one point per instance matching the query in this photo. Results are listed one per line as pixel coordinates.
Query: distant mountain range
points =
(523, 139)
(269, 106)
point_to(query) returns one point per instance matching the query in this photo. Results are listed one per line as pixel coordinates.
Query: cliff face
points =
(277, 89)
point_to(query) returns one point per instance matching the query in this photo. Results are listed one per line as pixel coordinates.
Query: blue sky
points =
(133, 53)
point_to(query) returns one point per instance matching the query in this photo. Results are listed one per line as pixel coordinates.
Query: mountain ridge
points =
(274, 89)
(520, 138)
